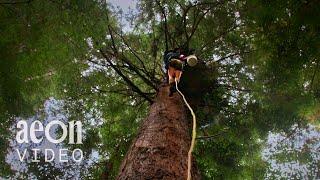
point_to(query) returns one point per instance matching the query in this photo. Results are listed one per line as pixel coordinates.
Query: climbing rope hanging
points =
(194, 121)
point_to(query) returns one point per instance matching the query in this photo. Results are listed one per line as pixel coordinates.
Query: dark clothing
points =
(174, 62)
(172, 89)
(168, 56)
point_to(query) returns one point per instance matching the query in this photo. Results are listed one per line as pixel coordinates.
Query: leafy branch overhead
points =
(130, 56)
(258, 72)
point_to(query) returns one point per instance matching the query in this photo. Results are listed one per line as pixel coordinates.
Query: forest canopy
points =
(89, 60)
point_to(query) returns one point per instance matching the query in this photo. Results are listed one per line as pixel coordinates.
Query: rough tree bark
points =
(161, 147)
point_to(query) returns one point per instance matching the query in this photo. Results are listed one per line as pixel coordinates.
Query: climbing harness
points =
(193, 131)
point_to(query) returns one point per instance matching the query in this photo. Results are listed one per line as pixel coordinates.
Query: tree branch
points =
(224, 33)
(135, 53)
(314, 74)
(125, 59)
(195, 26)
(126, 79)
(166, 32)
(17, 2)
(211, 136)
(234, 88)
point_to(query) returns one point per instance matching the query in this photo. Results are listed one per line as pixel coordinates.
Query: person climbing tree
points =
(174, 61)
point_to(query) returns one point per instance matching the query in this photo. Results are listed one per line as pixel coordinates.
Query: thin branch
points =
(196, 22)
(135, 69)
(292, 133)
(117, 91)
(226, 57)
(184, 20)
(207, 3)
(314, 74)
(211, 136)
(125, 59)
(111, 35)
(195, 26)
(234, 88)
(181, 6)
(224, 33)
(126, 79)
(17, 2)
(165, 24)
(134, 52)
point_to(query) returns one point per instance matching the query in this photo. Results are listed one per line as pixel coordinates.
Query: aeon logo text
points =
(27, 134)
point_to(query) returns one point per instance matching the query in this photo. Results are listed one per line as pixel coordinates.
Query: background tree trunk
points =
(161, 146)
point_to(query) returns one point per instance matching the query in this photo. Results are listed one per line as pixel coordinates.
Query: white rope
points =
(193, 132)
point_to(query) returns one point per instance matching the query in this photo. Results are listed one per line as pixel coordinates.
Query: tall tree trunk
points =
(161, 146)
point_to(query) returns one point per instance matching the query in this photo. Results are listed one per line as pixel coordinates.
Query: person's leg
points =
(171, 74)
(178, 75)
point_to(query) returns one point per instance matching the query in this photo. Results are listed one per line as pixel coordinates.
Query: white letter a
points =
(22, 135)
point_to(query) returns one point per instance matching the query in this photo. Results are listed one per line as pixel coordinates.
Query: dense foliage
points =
(262, 60)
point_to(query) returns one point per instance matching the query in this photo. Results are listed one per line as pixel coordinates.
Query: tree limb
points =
(126, 79)
(224, 33)
(166, 32)
(314, 74)
(128, 62)
(211, 136)
(17, 2)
